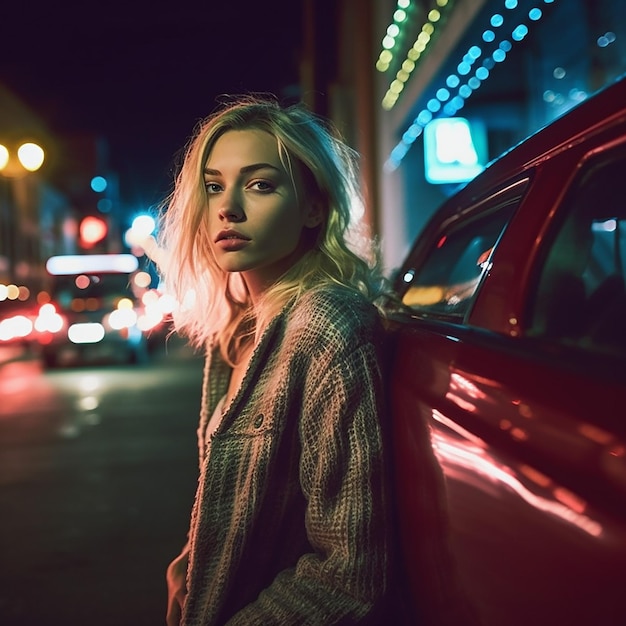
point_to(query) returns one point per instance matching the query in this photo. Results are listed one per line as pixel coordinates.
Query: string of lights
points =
(395, 35)
(501, 32)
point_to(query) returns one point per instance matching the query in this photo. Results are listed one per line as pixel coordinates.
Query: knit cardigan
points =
(291, 519)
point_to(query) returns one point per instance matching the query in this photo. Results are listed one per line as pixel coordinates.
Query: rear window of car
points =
(445, 283)
(93, 282)
(580, 299)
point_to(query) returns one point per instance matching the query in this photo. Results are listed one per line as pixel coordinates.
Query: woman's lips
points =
(231, 241)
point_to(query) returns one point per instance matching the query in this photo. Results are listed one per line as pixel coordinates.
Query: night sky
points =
(141, 74)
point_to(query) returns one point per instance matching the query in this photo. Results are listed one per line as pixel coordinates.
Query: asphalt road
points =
(98, 467)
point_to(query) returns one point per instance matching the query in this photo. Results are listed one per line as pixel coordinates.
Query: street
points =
(97, 474)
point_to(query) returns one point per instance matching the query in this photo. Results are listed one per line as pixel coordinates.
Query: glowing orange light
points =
(92, 230)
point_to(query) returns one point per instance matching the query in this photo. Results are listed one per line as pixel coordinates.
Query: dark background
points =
(141, 74)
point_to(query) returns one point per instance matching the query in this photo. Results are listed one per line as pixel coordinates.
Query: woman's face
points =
(255, 220)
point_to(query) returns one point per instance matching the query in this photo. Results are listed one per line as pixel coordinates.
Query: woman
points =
(290, 523)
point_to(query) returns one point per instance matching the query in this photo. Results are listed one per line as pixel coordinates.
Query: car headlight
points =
(91, 332)
(122, 318)
(48, 320)
(18, 326)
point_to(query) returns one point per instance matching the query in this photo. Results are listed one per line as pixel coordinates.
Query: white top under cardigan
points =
(216, 418)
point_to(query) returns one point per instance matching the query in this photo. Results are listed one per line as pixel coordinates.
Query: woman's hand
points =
(176, 587)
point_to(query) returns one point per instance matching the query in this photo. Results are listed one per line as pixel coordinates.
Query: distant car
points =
(99, 311)
(510, 346)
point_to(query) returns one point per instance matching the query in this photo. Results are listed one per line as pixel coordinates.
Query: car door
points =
(529, 430)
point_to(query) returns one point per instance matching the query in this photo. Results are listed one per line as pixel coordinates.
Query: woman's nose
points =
(231, 209)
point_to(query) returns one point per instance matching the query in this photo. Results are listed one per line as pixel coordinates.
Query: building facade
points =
(430, 91)
(41, 209)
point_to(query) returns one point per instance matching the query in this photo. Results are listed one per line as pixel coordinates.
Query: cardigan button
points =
(258, 422)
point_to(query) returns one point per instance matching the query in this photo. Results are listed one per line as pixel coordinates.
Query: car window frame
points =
(506, 196)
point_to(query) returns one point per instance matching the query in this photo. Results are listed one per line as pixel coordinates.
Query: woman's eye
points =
(212, 187)
(262, 185)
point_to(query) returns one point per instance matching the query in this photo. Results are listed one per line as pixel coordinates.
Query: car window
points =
(580, 297)
(91, 291)
(445, 284)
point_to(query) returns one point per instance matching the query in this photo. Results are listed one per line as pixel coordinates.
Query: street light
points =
(18, 219)
(30, 157)
(4, 157)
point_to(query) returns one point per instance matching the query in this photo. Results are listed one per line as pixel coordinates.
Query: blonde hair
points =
(340, 254)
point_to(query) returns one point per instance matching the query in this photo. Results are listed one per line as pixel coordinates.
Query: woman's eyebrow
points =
(244, 170)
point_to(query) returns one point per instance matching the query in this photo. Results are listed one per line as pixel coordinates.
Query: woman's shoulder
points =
(337, 299)
(334, 310)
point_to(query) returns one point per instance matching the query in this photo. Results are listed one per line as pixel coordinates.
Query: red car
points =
(510, 347)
